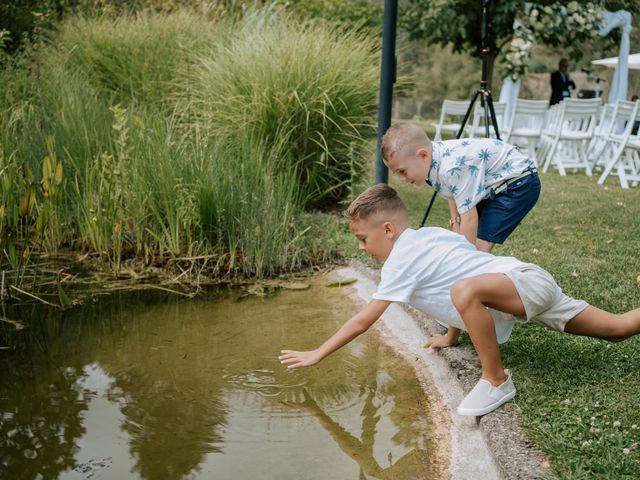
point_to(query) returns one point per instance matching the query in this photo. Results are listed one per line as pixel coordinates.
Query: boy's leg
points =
(593, 322)
(470, 297)
(483, 245)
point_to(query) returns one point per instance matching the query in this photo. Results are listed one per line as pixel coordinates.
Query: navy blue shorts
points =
(499, 215)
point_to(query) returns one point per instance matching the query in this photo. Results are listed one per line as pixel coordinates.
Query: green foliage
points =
(114, 139)
(309, 88)
(364, 14)
(137, 58)
(458, 23)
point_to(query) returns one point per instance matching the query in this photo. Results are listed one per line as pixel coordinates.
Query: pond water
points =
(142, 386)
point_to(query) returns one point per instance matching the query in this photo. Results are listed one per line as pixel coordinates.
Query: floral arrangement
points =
(571, 24)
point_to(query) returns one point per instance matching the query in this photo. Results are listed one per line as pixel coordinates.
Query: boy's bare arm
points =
(454, 216)
(355, 326)
(447, 340)
(469, 225)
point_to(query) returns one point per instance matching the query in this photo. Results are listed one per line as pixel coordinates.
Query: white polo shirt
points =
(425, 263)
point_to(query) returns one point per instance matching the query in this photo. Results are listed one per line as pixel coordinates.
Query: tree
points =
(458, 23)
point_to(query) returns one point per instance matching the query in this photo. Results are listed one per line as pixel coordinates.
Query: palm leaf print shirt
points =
(466, 170)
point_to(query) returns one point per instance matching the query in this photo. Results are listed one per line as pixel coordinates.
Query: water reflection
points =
(161, 388)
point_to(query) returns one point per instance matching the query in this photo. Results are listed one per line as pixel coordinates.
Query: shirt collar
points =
(435, 155)
(403, 236)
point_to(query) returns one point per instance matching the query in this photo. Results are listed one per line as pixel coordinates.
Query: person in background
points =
(560, 83)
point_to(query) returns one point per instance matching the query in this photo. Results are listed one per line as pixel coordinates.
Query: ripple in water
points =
(261, 381)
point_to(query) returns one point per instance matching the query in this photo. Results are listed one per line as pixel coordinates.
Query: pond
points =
(152, 387)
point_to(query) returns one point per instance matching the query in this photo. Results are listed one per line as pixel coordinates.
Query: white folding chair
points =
(450, 108)
(598, 144)
(526, 124)
(551, 123)
(569, 136)
(476, 129)
(624, 144)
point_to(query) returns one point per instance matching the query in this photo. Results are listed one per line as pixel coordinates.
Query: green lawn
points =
(579, 398)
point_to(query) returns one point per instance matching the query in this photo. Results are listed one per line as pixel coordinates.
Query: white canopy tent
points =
(633, 62)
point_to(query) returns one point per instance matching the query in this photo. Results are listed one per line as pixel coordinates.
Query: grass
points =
(288, 84)
(578, 397)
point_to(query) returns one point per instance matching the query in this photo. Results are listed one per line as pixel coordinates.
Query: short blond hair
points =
(380, 198)
(403, 136)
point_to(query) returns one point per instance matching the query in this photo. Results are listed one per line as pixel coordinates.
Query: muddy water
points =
(161, 388)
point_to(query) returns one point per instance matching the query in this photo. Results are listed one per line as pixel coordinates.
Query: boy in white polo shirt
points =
(445, 276)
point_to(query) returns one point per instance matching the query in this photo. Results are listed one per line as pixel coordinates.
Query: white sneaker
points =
(485, 398)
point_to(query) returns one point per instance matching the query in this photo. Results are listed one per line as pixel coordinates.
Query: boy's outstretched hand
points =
(293, 359)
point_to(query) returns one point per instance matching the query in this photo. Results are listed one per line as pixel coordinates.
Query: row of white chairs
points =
(574, 134)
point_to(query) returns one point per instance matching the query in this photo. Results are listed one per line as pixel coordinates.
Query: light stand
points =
(486, 100)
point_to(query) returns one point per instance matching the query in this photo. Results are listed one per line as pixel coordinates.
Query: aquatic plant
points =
(171, 138)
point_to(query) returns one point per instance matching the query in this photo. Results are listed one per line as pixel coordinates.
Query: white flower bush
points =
(573, 23)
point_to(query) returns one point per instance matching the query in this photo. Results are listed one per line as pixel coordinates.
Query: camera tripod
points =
(486, 100)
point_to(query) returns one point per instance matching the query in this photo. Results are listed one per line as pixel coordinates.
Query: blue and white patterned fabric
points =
(466, 170)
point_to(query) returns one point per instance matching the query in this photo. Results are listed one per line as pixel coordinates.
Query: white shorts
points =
(543, 300)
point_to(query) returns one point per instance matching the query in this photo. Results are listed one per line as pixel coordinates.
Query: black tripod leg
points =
(466, 115)
(426, 214)
(485, 108)
(494, 121)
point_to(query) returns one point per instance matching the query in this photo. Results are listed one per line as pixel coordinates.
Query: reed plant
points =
(127, 138)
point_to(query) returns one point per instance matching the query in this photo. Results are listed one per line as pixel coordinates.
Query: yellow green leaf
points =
(137, 121)
(44, 185)
(28, 174)
(46, 167)
(58, 176)
(6, 183)
(62, 296)
(41, 220)
(23, 204)
(32, 199)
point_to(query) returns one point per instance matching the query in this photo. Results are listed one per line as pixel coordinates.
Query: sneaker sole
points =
(477, 412)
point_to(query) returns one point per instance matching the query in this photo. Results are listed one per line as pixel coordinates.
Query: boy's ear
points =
(389, 229)
(423, 153)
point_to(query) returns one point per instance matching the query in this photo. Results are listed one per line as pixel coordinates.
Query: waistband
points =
(506, 183)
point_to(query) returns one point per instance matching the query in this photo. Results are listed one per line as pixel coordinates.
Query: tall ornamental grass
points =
(139, 59)
(308, 87)
(125, 138)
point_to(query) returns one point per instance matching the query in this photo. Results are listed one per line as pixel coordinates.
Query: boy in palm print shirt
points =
(490, 185)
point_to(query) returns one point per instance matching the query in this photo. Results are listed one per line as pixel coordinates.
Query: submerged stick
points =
(188, 295)
(33, 296)
(15, 323)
